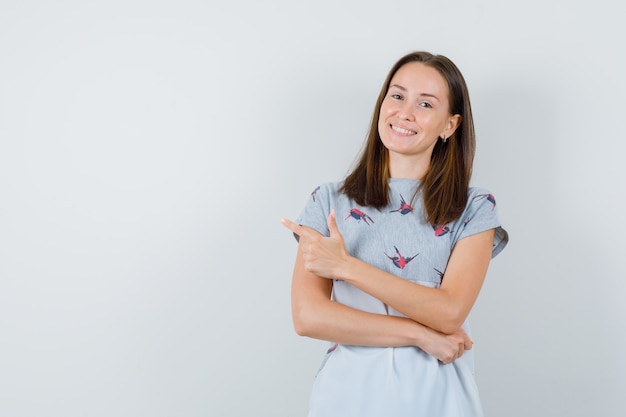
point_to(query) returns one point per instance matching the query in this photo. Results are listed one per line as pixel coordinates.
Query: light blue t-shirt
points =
(364, 381)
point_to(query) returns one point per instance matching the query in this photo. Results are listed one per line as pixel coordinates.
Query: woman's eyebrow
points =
(430, 95)
(399, 87)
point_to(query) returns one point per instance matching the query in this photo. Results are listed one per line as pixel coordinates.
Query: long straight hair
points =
(445, 186)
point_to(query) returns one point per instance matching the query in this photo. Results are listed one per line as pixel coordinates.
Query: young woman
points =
(392, 258)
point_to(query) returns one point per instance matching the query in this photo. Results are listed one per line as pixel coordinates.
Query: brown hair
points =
(445, 185)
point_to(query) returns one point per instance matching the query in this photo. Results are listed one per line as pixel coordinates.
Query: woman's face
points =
(414, 113)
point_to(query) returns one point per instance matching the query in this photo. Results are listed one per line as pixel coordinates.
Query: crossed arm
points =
(434, 316)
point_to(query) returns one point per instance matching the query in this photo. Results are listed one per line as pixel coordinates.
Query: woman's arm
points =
(443, 309)
(316, 315)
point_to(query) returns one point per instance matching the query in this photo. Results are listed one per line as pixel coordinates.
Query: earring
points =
(445, 139)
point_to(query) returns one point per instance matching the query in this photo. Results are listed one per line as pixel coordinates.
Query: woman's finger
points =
(294, 227)
(332, 225)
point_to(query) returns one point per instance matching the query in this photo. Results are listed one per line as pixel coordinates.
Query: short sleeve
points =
(481, 214)
(316, 210)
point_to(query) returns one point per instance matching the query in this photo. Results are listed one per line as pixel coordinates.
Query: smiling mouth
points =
(402, 131)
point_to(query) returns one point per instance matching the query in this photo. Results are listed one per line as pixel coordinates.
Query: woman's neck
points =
(404, 167)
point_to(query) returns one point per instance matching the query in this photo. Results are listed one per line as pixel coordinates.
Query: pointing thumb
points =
(332, 225)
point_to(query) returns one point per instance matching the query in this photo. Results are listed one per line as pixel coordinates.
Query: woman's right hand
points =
(447, 347)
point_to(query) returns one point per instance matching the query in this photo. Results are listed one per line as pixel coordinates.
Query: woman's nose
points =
(406, 112)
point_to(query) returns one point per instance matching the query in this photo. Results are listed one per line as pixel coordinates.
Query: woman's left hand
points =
(323, 256)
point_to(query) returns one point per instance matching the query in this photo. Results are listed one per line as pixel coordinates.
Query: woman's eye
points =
(427, 105)
(396, 96)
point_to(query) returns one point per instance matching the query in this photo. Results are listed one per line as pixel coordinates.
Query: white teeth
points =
(402, 131)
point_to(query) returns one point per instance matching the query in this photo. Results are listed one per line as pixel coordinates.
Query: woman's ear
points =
(453, 122)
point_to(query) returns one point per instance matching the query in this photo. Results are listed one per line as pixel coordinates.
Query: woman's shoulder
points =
(481, 214)
(327, 190)
(322, 199)
(476, 190)
(480, 195)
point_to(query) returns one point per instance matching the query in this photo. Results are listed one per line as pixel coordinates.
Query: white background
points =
(149, 148)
